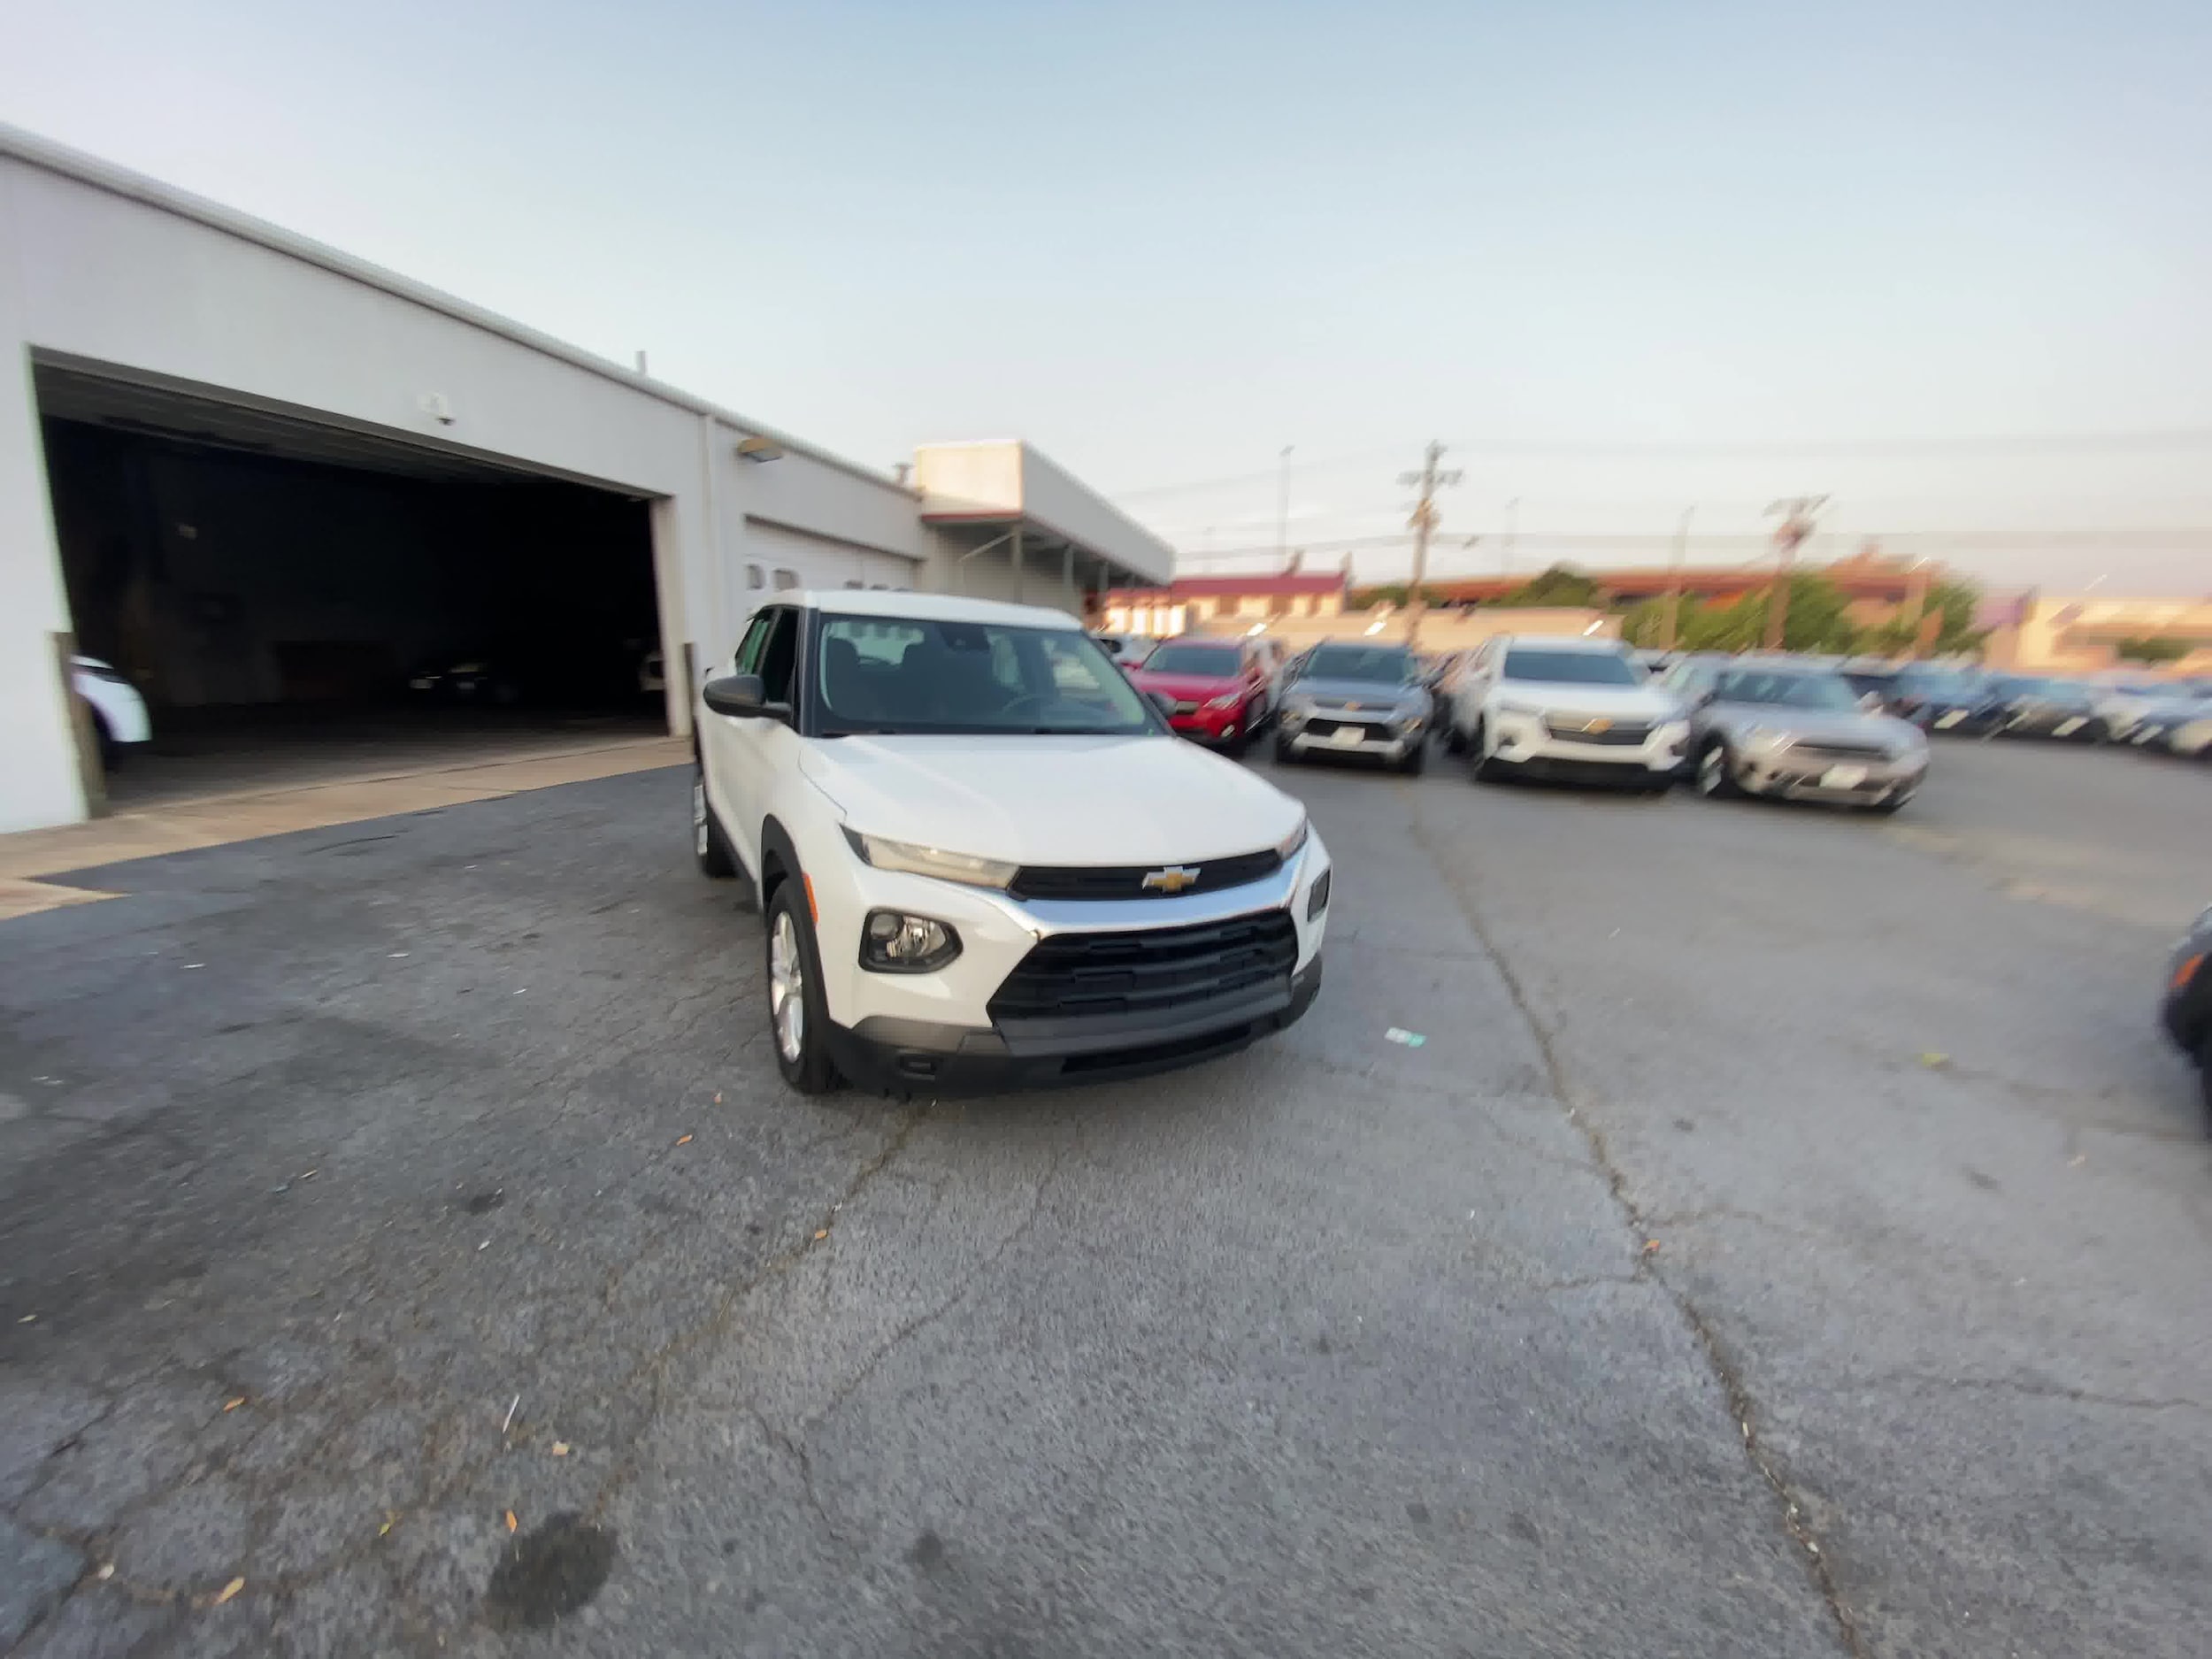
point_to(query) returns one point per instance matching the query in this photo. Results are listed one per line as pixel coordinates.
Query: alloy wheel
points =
(787, 987)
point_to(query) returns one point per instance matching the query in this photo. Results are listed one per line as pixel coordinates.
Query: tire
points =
(110, 751)
(2204, 1077)
(1234, 747)
(1415, 758)
(797, 1019)
(1889, 808)
(708, 844)
(1285, 754)
(1454, 739)
(1715, 776)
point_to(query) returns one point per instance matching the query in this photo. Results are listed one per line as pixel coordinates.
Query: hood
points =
(1817, 726)
(1648, 702)
(1198, 687)
(1373, 693)
(1052, 800)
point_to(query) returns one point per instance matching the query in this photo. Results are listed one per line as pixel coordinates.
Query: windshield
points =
(1785, 690)
(1384, 664)
(1218, 661)
(1570, 668)
(901, 674)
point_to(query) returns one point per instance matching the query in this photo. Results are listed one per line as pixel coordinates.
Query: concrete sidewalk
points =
(216, 820)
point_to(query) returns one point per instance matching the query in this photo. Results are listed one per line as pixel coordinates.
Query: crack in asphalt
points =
(2036, 1390)
(1741, 1407)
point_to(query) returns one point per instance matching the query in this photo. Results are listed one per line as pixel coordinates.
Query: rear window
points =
(1570, 668)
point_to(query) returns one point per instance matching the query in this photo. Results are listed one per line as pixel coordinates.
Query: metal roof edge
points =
(17, 144)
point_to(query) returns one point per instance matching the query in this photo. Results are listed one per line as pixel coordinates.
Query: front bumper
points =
(1527, 743)
(906, 1056)
(1209, 725)
(874, 1017)
(1789, 776)
(1332, 733)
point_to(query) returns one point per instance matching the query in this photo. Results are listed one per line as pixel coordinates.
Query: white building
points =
(258, 474)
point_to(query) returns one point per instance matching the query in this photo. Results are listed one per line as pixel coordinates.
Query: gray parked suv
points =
(1775, 726)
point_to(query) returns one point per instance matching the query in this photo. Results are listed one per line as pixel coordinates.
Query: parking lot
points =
(1790, 1237)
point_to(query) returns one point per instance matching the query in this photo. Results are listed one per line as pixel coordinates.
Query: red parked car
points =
(1219, 689)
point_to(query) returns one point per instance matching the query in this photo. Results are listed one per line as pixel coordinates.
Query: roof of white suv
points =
(1565, 641)
(877, 601)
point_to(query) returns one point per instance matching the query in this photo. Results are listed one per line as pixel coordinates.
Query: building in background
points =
(269, 482)
(2079, 634)
(1218, 603)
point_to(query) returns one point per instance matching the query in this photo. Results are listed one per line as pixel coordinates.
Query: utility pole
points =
(1430, 478)
(1674, 579)
(1512, 521)
(1282, 508)
(1798, 513)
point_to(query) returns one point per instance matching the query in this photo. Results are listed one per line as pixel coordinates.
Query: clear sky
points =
(1625, 256)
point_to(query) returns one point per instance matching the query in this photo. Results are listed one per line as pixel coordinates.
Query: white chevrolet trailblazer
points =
(983, 860)
(1580, 710)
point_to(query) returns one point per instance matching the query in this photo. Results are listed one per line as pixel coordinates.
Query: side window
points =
(1006, 668)
(781, 656)
(748, 649)
(755, 577)
(786, 580)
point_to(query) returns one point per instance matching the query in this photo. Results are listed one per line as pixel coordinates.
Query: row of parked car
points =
(2172, 716)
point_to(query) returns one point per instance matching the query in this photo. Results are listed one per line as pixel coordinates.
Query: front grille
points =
(1126, 881)
(1575, 728)
(1848, 752)
(1146, 969)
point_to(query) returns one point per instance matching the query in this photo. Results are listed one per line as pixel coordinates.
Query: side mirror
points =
(1161, 701)
(1870, 701)
(742, 696)
(1112, 647)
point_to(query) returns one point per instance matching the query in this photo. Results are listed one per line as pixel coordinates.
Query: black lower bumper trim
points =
(910, 1056)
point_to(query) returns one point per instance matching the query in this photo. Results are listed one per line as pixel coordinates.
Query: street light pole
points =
(1430, 478)
(1505, 551)
(1674, 578)
(1797, 523)
(1282, 509)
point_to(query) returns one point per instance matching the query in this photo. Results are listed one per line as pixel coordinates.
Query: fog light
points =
(892, 941)
(1318, 895)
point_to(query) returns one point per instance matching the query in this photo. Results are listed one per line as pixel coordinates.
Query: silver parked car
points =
(1796, 731)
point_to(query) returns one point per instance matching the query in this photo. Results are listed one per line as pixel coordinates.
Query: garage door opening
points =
(297, 602)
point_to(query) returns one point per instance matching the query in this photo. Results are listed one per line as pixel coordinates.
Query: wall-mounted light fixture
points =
(759, 448)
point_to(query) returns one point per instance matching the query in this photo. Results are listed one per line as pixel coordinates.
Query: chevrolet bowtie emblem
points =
(1174, 878)
(1598, 724)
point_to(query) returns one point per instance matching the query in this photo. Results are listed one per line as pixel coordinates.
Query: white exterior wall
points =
(102, 266)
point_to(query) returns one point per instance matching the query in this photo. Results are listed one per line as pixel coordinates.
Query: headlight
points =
(1516, 708)
(1287, 847)
(1226, 700)
(892, 941)
(966, 868)
(1672, 732)
(1767, 740)
(1409, 713)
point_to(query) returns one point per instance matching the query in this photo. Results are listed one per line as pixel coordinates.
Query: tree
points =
(2151, 650)
(1819, 620)
(1392, 594)
(1562, 585)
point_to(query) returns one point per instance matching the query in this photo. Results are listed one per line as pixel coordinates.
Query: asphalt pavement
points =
(1789, 1239)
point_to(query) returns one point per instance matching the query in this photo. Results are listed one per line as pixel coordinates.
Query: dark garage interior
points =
(276, 587)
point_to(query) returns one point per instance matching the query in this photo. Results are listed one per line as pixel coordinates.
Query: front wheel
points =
(797, 1019)
(1889, 807)
(1480, 767)
(1416, 757)
(1454, 739)
(2204, 1077)
(1285, 754)
(708, 844)
(1715, 777)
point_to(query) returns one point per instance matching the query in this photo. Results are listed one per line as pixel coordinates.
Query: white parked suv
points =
(1580, 710)
(983, 860)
